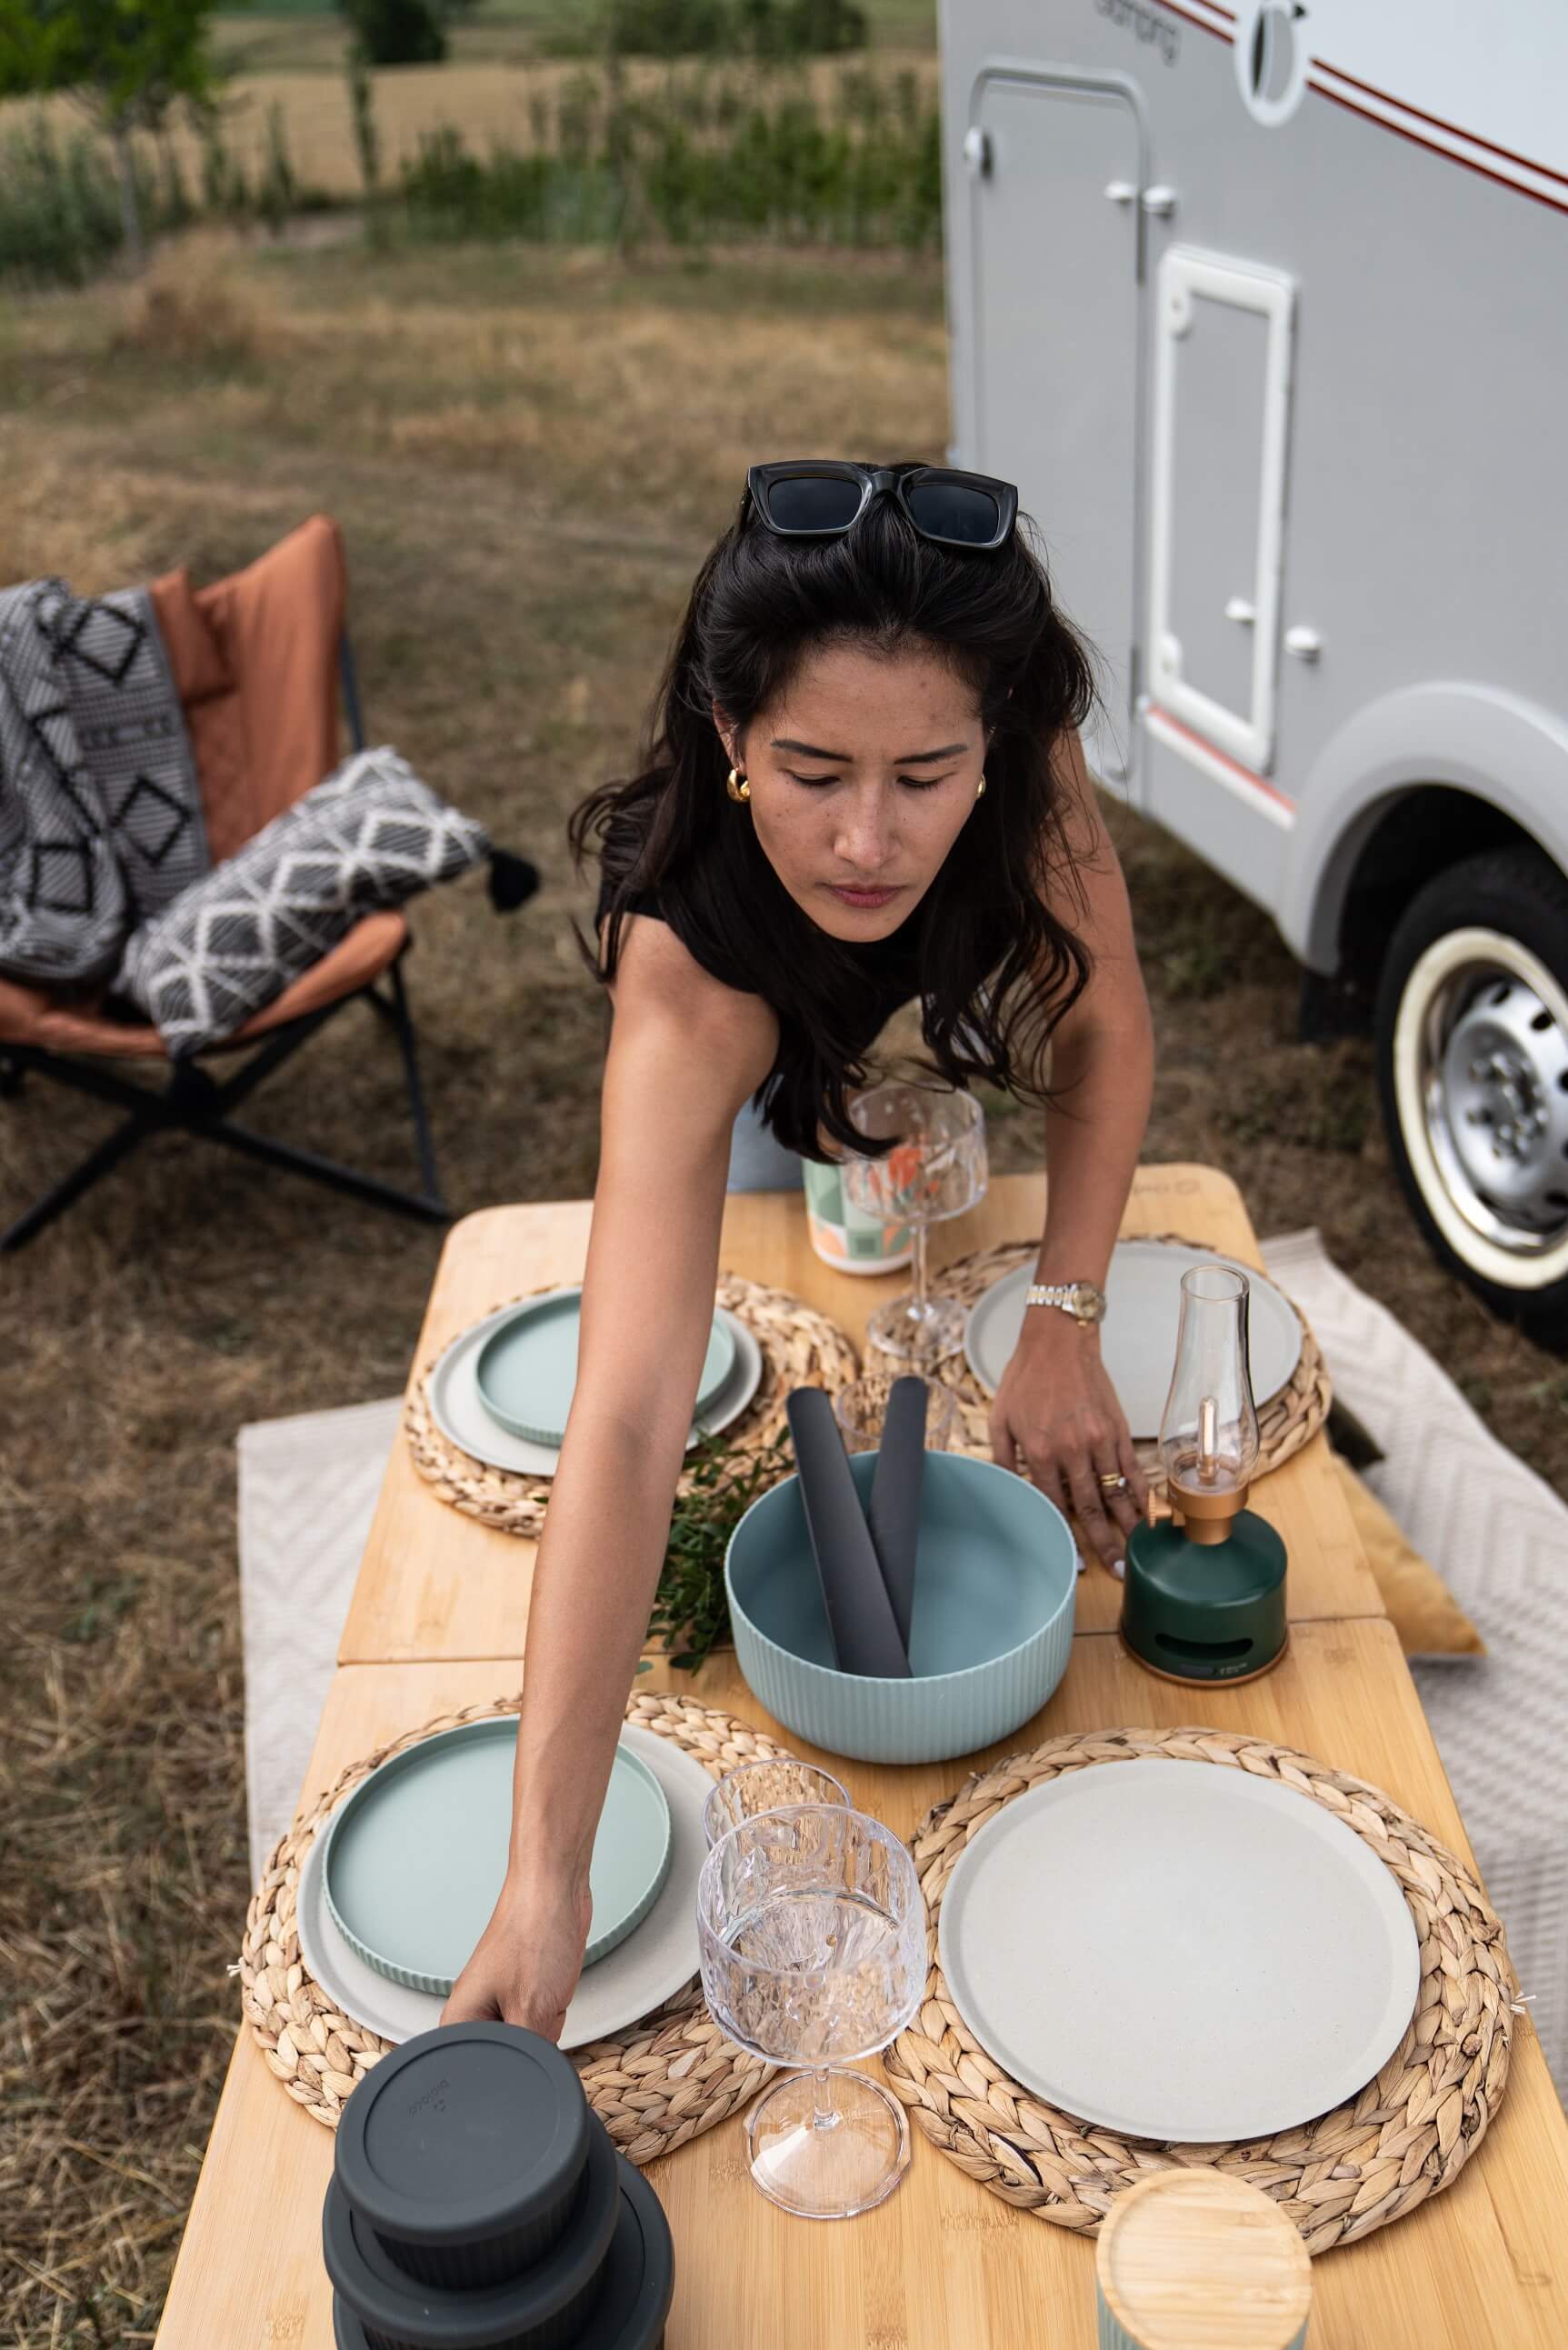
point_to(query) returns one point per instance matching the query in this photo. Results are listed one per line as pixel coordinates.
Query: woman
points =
(865, 786)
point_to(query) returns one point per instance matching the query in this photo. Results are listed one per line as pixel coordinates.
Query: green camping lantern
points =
(1204, 1599)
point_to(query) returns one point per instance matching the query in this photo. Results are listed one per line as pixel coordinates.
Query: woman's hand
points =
(1056, 1420)
(529, 1957)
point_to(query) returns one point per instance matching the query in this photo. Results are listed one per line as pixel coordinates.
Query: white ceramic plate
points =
(457, 1408)
(1137, 1336)
(633, 1979)
(1177, 1951)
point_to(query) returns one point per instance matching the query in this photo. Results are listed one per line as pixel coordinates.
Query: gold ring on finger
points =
(1113, 1481)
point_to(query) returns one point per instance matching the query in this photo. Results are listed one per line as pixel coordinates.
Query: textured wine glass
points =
(766, 1785)
(861, 1411)
(813, 1934)
(935, 1168)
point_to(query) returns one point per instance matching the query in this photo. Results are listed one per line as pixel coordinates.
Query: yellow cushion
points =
(1422, 1609)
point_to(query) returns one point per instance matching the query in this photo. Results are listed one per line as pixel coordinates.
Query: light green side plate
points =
(527, 1367)
(418, 1853)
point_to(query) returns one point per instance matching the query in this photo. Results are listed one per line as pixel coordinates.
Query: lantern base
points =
(1206, 1611)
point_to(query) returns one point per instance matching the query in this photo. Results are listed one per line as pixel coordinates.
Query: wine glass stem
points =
(823, 2116)
(918, 1307)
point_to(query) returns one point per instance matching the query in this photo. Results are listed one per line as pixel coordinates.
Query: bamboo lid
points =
(1196, 2260)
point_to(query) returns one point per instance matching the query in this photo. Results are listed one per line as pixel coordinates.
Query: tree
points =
(397, 32)
(127, 63)
(762, 29)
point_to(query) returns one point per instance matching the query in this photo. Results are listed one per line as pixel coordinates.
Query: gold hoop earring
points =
(979, 794)
(738, 786)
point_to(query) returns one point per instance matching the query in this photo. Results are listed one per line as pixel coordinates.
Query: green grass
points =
(704, 161)
(850, 158)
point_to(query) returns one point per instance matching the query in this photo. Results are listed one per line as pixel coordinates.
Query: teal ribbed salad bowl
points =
(992, 1624)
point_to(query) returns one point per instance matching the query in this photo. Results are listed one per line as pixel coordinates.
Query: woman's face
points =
(862, 777)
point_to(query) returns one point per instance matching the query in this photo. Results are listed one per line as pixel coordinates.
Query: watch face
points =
(1089, 1301)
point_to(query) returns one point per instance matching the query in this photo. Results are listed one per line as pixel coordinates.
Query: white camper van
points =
(1266, 312)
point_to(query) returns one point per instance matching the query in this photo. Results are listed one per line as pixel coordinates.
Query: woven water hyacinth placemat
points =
(1406, 2136)
(664, 2079)
(800, 1348)
(1285, 1421)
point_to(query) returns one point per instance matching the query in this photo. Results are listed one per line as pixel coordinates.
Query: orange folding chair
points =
(258, 662)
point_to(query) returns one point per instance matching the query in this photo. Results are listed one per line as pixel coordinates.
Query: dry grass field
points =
(528, 453)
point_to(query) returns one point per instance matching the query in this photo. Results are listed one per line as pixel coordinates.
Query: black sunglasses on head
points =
(822, 498)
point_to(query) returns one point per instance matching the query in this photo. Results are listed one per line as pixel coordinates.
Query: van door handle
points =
(977, 151)
(1160, 202)
(1238, 609)
(1304, 642)
(1121, 191)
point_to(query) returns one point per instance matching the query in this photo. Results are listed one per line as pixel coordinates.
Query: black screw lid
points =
(638, 2281)
(639, 2276)
(463, 2134)
(547, 2305)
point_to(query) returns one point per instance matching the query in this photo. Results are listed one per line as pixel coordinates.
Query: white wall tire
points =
(1472, 1048)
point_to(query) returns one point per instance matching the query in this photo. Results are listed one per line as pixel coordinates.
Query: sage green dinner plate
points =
(418, 1853)
(526, 1369)
(457, 1408)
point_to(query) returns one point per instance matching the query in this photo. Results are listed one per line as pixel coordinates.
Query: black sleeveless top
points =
(891, 965)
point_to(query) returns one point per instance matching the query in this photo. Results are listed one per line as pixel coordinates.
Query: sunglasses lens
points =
(812, 502)
(952, 510)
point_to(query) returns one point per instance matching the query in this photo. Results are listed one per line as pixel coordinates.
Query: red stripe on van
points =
(1201, 22)
(1403, 106)
(1209, 750)
(1431, 146)
(1436, 121)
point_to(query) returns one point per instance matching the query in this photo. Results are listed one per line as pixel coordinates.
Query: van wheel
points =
(1472, 1072)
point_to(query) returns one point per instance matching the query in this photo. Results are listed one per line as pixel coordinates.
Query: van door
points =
(1217, 500)
(1058, 163)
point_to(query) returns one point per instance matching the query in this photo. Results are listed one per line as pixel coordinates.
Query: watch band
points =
(1083, 1300)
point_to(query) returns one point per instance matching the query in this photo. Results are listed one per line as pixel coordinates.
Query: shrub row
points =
(717, 154)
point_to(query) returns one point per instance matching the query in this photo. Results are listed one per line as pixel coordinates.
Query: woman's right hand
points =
(529, 1957)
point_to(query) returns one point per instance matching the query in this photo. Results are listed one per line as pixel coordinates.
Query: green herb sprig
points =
(690, 1614)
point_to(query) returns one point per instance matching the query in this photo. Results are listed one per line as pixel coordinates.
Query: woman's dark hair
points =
(993, 966)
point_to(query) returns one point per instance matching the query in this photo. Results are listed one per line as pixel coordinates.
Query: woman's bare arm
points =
(685, 1053)
(1056, 1412)
(1102, 1053)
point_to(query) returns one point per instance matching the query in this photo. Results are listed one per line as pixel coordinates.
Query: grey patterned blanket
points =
(100, 815)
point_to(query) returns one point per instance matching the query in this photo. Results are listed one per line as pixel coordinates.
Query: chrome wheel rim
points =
(1492, 1081)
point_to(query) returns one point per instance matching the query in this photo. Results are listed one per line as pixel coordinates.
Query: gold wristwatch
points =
(1083, 1300)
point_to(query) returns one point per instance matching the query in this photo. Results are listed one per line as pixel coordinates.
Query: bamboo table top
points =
(942, 2265)
(436, 1585)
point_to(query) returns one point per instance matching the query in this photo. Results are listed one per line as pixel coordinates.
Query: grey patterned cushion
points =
(101, 815)
(63, 903)
(371, 835)
(132, 734)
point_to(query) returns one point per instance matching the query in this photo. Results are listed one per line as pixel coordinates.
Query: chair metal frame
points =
(195, 1102)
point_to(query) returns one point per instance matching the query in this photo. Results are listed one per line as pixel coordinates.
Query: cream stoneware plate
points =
(418, 1853)
(1177, 1951)
(459, 1411)
(1137, 1336)
(638, 1975)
